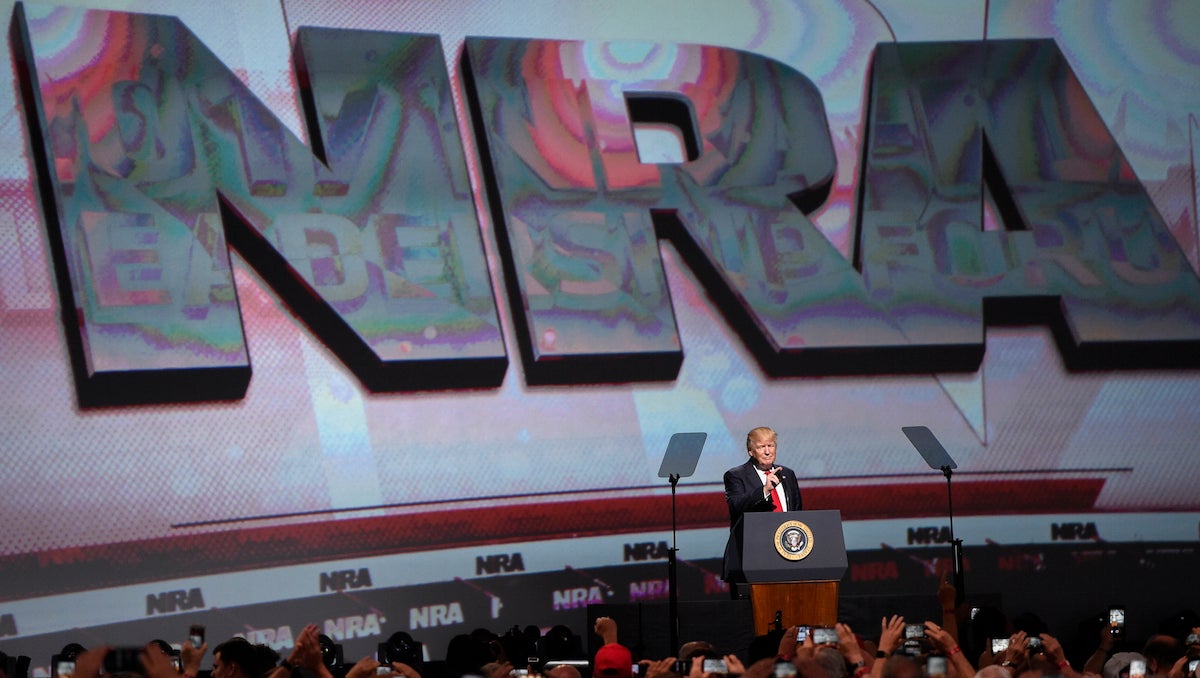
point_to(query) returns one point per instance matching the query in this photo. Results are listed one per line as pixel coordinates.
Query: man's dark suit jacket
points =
(744, 494)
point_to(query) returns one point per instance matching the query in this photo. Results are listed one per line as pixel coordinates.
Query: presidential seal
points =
(794, 540)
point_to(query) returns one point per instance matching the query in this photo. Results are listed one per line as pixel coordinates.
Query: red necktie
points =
(775, 499)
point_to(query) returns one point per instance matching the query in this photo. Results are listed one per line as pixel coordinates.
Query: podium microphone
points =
(778, 623)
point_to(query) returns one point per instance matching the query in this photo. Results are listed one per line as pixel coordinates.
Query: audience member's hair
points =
(1030, 623)
(809, 668)
(696, 648)
(560, 642)
(764, 646)
(833, 662)
(763, 668)
(563, 671)
(993, 671)
(1163, 650)
(467, 654)
(1180, 624)
(253, 660)
(901, 666)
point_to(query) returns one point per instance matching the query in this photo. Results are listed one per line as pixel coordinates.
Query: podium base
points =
(809, 603)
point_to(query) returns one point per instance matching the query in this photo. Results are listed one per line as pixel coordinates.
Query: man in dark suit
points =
(757, 485)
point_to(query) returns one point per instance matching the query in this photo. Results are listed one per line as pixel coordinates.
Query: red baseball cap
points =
(613, 661)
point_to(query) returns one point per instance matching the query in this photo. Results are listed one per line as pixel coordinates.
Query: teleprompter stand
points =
(936, 456)
(679, 461)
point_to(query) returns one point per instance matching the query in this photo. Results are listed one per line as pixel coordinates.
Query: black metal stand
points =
(936, 457)
(679, 461)
(956, 543)
(673, 572)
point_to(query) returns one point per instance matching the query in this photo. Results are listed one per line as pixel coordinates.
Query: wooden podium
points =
(794, 563)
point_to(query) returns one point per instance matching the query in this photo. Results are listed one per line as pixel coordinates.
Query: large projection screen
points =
(324, 488)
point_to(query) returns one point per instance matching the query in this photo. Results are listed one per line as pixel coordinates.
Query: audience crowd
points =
(964, 643)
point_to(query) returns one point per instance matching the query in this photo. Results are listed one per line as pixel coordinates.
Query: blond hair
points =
(760, 433)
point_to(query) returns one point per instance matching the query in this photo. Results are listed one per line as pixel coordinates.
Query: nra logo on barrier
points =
(8, 625)
(499, 563)
(430, 616)
(354, 626)
(1021, 562)
(883, 570)
(1073, 531)
(929, 535)
(650, 589)
(570, 599)
(274, 638)
(340, 580)
(174, 601)
(714, 584)
(647, 550)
